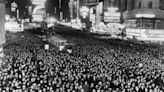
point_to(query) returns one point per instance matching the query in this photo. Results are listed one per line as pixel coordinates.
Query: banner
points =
(91, 2)
(38, 2)
(2, 23)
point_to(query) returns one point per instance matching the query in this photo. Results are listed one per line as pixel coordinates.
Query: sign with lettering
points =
(133, 32)
(37, 18)
(91, 2)
(38, 2)
(112, 17)
(46, 46)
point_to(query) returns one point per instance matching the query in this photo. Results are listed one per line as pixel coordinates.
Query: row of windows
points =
(150, 4)
(161, 6)
(139, 4)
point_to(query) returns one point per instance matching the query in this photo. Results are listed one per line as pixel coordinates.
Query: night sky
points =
(51, 4)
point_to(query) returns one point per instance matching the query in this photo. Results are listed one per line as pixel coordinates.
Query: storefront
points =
(145, 23)
(145, 29)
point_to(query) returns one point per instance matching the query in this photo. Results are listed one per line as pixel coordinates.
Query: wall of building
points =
(120, 4)
(144, 9)
(2, 21)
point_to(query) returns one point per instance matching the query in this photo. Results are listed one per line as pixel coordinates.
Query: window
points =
(133, 23)
(139, 5)
(161, 4)
(140, 23)
(159, 24)
(150, 4)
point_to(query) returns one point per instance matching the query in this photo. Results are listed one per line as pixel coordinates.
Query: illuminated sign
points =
(39, 7)
(40, 12)
(113, 14)
(13, 9)
(30, 10)
(133, 32)
(84, 9)
(145, 15)
(46, 46)
(7, 17)
(13, 26)
(14, 5)
(93, 18)
(71, 9)
(112, 17)
(38, 2)
(38, 18)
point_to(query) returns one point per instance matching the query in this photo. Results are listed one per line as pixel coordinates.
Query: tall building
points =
(112, 8)
(146, 14)
(144, 19)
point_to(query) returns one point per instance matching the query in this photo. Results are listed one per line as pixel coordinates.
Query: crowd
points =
(95, 65)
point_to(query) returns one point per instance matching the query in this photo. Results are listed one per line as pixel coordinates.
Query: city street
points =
(109, 64)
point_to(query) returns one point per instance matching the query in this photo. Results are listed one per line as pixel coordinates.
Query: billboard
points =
(38, 13)
(37, 18)
(91, 2)
(38, 2)
(112, 17)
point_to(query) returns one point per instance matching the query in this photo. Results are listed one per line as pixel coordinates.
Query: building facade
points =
(147, 14)
(118, 5)
(2, 28)
(145, 18)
